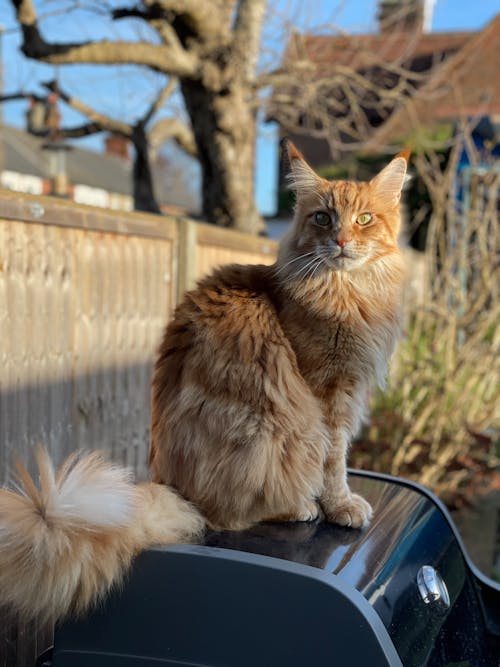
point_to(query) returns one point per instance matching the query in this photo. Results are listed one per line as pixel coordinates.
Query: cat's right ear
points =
(299, 175)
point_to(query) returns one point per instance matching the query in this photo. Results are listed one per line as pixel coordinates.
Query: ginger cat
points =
(261, 381)
(263, 374)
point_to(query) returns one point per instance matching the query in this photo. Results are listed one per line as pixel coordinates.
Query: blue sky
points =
(125, 91)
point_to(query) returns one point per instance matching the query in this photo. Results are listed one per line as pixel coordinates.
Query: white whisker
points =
(303, 270)
(320, 264)
(294, 259)
(313, 269)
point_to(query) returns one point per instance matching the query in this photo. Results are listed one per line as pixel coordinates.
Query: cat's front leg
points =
(337, 501)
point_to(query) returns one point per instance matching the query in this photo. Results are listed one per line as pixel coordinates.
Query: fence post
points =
(187, 263)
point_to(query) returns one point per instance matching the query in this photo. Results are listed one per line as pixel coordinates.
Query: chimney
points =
(400, 16)
(118, 146)
(428, 14)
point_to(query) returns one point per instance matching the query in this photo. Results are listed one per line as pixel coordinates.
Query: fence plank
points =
(187, 266)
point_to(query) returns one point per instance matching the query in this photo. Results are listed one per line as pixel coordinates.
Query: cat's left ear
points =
(300, 176)
(389, 182)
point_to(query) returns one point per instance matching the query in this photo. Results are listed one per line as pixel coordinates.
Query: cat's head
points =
(340, 225)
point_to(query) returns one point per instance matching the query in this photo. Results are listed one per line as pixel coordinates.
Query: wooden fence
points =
(84, 297)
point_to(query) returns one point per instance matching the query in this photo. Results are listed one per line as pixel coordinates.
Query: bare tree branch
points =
(66, 133)
(133, 12)
(160, 100)
(161, 58)
(172, 128)
(78, 131)
(164, 129)
(202, 19)
(20, 95)
(158, 19)
(99, 119)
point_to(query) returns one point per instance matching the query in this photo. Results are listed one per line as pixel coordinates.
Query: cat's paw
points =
(354, 512)
(308, 511)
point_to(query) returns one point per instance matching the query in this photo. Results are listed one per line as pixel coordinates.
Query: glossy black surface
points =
(408, 530)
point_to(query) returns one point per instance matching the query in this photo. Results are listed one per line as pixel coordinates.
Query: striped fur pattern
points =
(263, 375)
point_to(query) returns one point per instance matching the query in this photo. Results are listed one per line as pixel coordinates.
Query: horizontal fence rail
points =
(84, 297)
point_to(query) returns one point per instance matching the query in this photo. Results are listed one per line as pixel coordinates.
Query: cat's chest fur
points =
(340, 352)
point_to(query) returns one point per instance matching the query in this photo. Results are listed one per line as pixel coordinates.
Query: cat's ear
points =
(389, 182)
(300, 176)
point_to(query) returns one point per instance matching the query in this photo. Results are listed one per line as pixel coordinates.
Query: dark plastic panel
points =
(195, 605)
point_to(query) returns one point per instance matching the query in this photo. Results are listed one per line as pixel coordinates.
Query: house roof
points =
(466, 85)
(22, 152)
(417, 51)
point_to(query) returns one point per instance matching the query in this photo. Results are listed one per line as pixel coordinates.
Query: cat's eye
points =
(322, 218)
(364, 218)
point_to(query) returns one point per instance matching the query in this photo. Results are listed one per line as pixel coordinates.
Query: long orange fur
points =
(261, 382)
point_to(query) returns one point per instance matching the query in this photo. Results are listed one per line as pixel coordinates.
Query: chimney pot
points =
(118, 146)
(400, 16)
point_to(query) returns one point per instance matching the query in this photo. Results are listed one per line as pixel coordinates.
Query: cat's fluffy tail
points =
(66, 542)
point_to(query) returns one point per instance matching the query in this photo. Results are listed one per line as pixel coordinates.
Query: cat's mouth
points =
(343, 260)
(343, 254)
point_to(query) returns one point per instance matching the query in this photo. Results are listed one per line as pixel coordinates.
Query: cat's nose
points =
(342, 242)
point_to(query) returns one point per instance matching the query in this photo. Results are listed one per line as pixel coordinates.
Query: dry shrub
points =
(438, 420)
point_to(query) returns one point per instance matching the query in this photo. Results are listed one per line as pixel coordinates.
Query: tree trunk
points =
(144, 197)
(224, 129)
